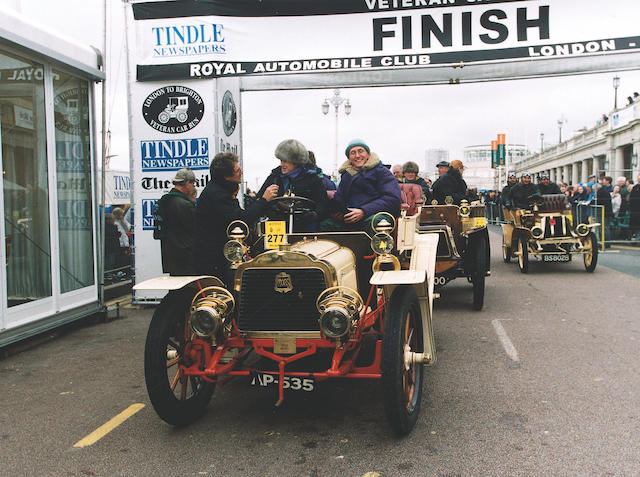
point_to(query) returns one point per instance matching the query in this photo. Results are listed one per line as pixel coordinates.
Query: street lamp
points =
(336, 100)
(541, 142)
(561, 121)
(616, 84)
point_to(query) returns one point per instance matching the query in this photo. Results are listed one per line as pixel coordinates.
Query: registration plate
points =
(556, 258)
(290, 382)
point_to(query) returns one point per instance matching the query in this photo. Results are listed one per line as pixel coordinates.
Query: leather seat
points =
(411, 197)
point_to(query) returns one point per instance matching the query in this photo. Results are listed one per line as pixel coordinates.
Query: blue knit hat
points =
(354, 143)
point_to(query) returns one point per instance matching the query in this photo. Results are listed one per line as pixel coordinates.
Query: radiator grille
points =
(560, 229)
(262, 308)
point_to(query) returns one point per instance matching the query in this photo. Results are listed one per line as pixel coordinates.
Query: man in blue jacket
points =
(366, 188)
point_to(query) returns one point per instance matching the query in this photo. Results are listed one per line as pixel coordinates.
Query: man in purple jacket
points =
(366, 188)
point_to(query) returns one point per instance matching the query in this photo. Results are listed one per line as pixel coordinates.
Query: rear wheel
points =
(478, 273)
(402, 379)
(591, 255)
(178, 399)
(523, 255)
(506, 252)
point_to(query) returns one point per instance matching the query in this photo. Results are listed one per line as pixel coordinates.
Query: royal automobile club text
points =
(153, 183)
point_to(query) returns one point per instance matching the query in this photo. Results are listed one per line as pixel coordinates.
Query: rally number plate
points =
(275, 232)
(556, 258)
(290, 382)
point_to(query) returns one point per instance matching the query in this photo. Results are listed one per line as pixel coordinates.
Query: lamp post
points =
(336, 100)
(541, 142)
(616, 84)
(561, 121)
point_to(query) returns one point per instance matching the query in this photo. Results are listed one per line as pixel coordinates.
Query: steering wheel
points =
(294, 204)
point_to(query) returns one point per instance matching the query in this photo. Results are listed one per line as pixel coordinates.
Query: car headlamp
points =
(209, 308)
(383, 222)
(537, 232)
(582, 230)
(335, 322)
(464, 210)
(237, 230)
(233, 251)
(338, 307)
(382, 243)
(205, 320)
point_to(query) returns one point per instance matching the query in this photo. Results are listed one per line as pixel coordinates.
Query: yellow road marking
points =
(109, 426)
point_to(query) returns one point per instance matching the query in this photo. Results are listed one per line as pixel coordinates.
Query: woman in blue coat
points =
(366, 188)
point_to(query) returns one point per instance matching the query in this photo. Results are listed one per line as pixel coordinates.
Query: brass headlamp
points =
(209, 307)
(339, 307)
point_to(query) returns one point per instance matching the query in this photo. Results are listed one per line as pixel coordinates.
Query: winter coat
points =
(603, 197)
(176, 247)
(373, 188)
(520, 194)
(450, 184)
(217, 208)
(305, 183)
(423, 184)
(506, 198)
(552, 188)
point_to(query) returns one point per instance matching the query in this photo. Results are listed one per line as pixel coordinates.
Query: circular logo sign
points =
(173, 109)
(229, 116)
(71, 111)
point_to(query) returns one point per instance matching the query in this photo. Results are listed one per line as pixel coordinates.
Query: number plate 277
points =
(290, 382)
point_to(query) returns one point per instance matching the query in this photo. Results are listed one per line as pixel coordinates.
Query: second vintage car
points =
(463, 248)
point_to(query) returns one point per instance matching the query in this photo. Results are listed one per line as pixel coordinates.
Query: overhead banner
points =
(195, 40)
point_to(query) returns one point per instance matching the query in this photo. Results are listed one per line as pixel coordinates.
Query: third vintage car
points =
(547, 232)
(306, 309)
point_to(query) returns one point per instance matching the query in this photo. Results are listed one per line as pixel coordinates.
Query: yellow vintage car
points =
(310, 307)
(546, 232)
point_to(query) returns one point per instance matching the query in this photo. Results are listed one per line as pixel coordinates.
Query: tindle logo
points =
(188, 40)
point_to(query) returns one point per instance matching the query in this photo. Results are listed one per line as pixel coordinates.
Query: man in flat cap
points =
(366, 188)
(443, 168)
(178, 221)
(545, 186)
(296, 175)
(451, 184)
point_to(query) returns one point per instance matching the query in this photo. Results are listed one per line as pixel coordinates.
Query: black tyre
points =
(478, 273)
(523, 255)
(591, 256)
(402, 385)
(178, 400)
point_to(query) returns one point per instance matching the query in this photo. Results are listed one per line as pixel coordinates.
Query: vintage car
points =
(463, 248)
(546, 231)
(309, 308)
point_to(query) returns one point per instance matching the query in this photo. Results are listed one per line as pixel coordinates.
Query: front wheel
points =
(523, 255)
(402, 378)
(506, 252)
(478, 273)
(179, 400)
(591, 255)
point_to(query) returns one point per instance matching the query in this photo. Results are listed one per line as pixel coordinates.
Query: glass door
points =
(25, 230)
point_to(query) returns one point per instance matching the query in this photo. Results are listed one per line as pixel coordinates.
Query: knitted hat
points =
(410, 166)
(544, 175)
(354, 143)
(526, 174)
(512, 174)
(292, 151)
(184, 175)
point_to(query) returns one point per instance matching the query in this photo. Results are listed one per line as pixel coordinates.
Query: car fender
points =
(167, 282)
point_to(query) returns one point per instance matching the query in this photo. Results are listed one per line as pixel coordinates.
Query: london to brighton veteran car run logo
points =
(71, 111)
(229, 117)
(173, 109)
